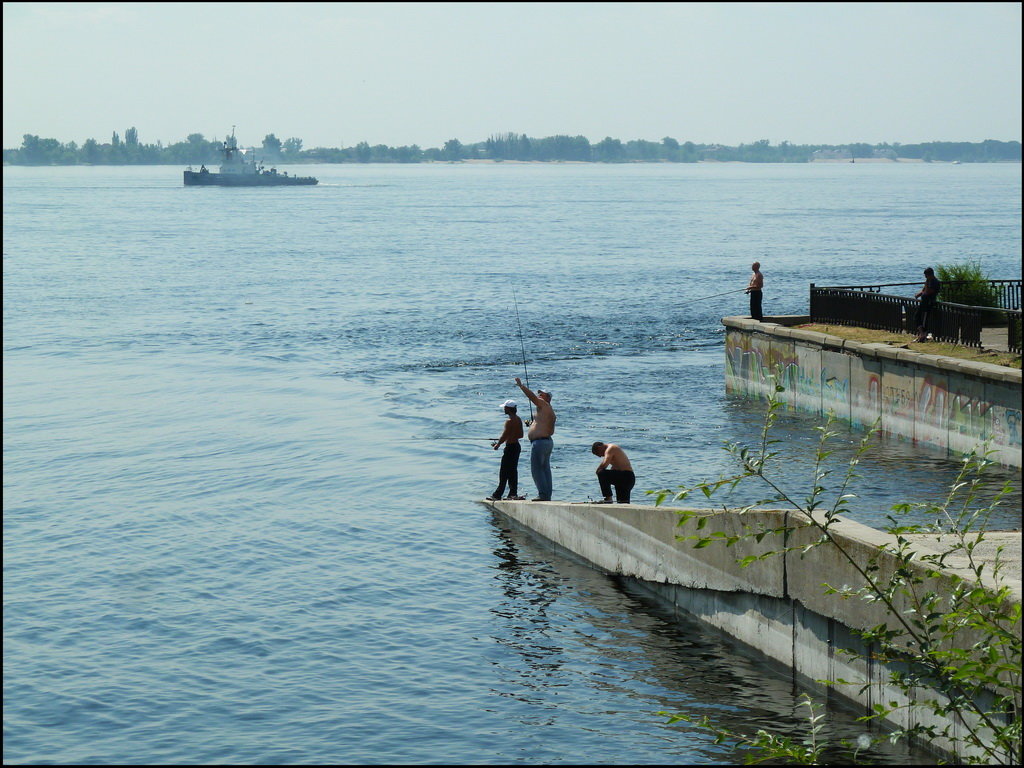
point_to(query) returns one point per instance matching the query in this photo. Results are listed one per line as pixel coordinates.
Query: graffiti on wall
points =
(969, 415)
(914, 404)
(835, 389)
(1006, 427)
(873, 401)
(750, 361)
(898, 401)
(931, 400)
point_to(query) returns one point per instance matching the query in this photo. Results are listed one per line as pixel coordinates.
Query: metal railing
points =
(867, 309)
(954, 323)
(1013, 331)
(1007, 291)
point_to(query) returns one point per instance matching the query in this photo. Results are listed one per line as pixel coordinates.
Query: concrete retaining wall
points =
(777, 605)
(949, 404)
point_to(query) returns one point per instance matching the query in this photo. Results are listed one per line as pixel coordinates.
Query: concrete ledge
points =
(817, 338)
(788, 320)
(941, 402)
(644, 542)
(780, 326)
(874, 349)
(859, 348)
(937, 361)
(777, 605)
(782, 320)
(746, 323)
(887, 351)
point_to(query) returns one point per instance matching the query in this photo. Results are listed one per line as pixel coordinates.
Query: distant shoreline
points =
(483, 161)
(488, 161)
(505, 147)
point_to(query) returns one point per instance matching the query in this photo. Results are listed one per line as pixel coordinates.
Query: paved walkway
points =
(994, 339)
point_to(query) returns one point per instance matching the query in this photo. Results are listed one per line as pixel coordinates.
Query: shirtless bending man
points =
(614, 470)
(541, 442)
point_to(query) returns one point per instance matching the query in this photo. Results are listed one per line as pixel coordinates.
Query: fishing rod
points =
(461, 439)
(491, 440)
(522, 344)
(715, 296)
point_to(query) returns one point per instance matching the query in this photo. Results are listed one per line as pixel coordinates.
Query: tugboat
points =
(237, 171)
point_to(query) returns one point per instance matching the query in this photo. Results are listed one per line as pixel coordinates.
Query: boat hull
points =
(199, 179)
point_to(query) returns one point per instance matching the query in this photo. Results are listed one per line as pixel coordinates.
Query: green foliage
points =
(763, 746)
(271, 147)
(453, 150)
(954, 652)
(609, 150)
(966, 283)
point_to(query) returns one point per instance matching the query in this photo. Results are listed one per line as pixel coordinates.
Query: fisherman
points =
(613, 471)
(928, 296)
(541, 443)
(754, 289)
(510, 437)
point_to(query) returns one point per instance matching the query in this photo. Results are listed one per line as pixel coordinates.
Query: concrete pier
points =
(942, 402)
(777, 605)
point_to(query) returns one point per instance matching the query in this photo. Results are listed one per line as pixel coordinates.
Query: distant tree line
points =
(196, 149)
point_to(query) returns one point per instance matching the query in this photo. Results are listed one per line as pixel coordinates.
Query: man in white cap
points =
(541, 443)
(510, 437)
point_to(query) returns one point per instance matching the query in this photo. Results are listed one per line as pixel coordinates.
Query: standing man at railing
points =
(754, 289)
(928, 296)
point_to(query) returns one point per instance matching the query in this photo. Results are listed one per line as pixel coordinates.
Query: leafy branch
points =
(952, 634)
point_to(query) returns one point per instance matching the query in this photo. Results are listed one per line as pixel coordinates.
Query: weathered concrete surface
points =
(1009, 542)
(951, 404)
(648, 543)
(777, 605)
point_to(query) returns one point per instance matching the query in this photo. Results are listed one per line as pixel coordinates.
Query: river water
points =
(245, 429)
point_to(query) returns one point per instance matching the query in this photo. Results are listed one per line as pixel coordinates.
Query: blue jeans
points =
(540, 466)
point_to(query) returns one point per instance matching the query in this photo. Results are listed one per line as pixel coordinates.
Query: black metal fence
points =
(849, 306)
(1013, 321)
(1007, 291)
(867, 307)
(955, 323)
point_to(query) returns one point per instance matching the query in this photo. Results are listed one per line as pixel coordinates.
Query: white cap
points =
(509, 404)
(543, 392)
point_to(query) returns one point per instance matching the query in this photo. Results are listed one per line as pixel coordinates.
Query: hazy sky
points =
(337, 74)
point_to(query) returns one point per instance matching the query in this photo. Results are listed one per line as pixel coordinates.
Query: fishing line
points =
(478, 440)
(460, 439)
(522, 344)
(715, 296)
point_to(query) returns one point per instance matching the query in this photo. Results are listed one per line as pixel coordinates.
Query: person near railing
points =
(754, 289)
(928, 295)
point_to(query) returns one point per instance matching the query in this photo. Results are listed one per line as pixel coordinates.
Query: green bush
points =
(966, 283)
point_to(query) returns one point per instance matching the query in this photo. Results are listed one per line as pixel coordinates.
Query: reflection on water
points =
(569, 624)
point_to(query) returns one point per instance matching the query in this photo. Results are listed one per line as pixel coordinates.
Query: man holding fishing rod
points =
(510, 437)
(754, 288)
(541, 443)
